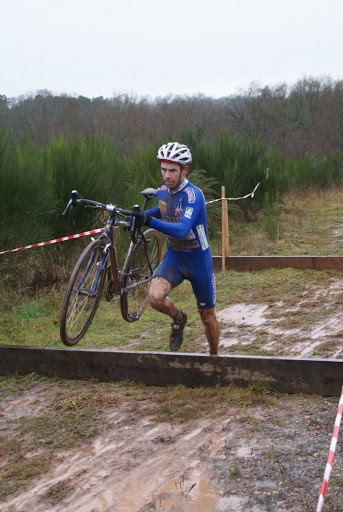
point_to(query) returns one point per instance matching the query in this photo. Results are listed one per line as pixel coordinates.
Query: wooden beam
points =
(255, 263)
(285, 375)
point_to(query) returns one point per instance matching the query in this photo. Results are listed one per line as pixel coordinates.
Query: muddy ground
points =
(310, 327)
(267, 456)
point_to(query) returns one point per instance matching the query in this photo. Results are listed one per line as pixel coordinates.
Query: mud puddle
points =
(143, 467)
(251, 459)
(312, 328)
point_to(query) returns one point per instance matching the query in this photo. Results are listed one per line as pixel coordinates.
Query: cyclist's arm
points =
(154, 212)
(181, 228)
(177, 229)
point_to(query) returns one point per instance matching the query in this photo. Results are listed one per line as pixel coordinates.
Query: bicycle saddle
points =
(148, 192)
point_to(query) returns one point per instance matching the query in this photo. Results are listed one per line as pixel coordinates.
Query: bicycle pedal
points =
(134, 316)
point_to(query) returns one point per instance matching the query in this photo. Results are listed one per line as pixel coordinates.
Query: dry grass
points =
(310, 223)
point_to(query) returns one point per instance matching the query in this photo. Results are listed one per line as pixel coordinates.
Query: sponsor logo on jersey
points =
(202, 237)
(188, 212)
(163, 206)
(191, 194)
(214, 288)
(178, 210)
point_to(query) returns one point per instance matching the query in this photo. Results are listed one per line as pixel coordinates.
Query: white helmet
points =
(174, 152)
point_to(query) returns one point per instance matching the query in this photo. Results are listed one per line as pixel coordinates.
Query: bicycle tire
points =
(134, 301)
(83, 293)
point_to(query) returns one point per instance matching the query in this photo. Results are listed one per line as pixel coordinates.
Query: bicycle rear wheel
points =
(137, 275)
(83, 293)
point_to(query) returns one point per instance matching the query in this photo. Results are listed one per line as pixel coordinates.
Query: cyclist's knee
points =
(158, 291)
(155, 301)
(208, 316)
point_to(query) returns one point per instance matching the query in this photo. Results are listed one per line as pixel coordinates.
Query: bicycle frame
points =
(111, 224)
(78, 288)
(135, 285)
(111, 247)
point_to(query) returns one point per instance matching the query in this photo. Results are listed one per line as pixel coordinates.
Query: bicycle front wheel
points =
(137, 275)
(83, 293)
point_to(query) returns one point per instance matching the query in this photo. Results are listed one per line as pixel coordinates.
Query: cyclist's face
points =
(173, 175)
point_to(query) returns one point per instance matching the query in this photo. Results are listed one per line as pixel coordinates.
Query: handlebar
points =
(74, 201)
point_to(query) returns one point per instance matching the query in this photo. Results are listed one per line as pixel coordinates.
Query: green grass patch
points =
(13, 383)
(19, 470)
(151, 332)
(60, 490)
(307, 223)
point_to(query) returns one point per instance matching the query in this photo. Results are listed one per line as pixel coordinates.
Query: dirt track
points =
(313, 327)
(264, 458)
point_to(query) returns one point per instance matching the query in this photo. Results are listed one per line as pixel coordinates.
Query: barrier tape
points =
(100, 230)
(235, 198)
(331, 454)
(56, 240)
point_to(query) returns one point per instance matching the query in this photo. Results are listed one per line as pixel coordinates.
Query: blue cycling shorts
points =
(196, 268)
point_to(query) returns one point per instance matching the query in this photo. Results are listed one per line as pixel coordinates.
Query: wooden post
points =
(225, 230)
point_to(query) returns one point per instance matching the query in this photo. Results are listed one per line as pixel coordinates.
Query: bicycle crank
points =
(110, 293)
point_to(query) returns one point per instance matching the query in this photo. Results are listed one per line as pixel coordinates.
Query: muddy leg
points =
(159, 300)
(212, 328)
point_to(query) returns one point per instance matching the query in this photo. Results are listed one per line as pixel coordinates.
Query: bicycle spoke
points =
(83, 293)
(137, 276)
(75, 312)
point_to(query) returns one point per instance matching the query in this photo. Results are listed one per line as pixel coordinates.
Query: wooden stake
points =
(225, 230)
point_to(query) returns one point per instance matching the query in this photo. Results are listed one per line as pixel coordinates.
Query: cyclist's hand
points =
(141, 219)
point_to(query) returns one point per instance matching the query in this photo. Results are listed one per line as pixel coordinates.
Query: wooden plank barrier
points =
(286, 375)
(256, 263)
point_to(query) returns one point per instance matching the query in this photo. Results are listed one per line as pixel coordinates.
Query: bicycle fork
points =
(100, 266)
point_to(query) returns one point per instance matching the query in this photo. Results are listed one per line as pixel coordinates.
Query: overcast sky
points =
(154, 48)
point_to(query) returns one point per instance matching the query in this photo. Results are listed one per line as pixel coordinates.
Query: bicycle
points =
(129, 284)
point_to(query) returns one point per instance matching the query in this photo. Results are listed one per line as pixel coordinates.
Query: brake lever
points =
(72, 203)
(67, 207)
(133, 225)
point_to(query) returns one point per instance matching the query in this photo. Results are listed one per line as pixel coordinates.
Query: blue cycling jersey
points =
(181, 215)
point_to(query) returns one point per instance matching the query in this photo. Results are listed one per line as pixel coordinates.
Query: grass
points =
(15, 383)
(311, 224)
(60, 490)
(235, 472)
(35, 321)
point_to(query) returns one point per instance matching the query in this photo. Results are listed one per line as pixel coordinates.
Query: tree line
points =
(285, 138)
(306, 117)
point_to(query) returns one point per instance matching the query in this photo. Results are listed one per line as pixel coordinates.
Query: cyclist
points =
(181, 215)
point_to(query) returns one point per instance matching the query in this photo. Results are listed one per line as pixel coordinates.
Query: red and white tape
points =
(331, 454)
(56, 240)
(235, 198)
(100, 230)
